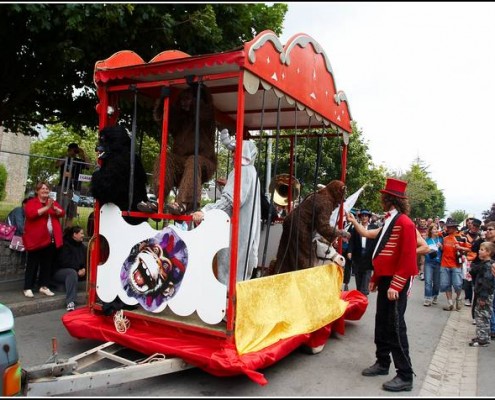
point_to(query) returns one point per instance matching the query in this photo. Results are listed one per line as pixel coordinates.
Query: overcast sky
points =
(420, 82)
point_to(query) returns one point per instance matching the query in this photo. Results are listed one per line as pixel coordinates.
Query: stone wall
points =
(12, 263)
(14, 155)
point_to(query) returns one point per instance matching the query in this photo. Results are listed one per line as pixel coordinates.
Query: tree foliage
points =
(489, 215)
(46, 151)
(49, 49)
(361, 171)
(3, 181)
(317, 160)
(425, 198)
(458, 215)
(53, 146)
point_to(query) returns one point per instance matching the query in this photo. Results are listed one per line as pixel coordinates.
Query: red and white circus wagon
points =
(263, 319)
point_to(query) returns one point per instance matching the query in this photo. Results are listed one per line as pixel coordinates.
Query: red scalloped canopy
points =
(298, 74)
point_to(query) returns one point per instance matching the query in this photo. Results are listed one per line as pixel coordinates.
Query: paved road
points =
(443, 362)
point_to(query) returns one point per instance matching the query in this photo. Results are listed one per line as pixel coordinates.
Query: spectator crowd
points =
(460, 264)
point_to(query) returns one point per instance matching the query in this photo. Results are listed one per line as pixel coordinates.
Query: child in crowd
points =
(484, 287)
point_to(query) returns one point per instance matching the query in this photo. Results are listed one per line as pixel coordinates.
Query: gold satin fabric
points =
(280, 306)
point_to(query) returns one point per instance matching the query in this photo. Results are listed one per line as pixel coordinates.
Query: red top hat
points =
(395, 187)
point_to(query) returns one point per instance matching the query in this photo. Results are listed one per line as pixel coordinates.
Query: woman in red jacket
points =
(42, 236)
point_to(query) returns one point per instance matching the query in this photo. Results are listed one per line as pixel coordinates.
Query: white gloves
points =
(226, 140)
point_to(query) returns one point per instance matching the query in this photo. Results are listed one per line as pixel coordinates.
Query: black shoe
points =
(175, 208)
(147, 207)
(479, 343)
(374, 370)
(398, 385)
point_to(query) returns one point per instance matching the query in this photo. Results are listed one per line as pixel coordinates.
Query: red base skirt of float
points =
(212, 354)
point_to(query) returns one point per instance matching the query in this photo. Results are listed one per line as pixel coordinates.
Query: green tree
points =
(45, 151)
(318, 160)
(49, 50)
(149, 150)
(489, 215)
(361, 171)
(425, 198)
(3, 181)
(458, 215)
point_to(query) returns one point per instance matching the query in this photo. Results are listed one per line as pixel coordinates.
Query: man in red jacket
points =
(394, 264)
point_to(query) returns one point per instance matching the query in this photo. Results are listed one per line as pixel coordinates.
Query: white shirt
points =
(386, 224)
(363, 238)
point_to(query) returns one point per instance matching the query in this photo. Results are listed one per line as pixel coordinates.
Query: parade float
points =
(264, 89)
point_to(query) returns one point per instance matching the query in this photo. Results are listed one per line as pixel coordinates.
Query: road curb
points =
(34, 306)
(11, 295)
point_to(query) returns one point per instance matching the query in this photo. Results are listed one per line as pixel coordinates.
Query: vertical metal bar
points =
(343, 175)
(94, 259)
(165, 94)
(196, 147)
(275, 170)
(234, 244)
(318, 162)
(133, 150)
(291, 174)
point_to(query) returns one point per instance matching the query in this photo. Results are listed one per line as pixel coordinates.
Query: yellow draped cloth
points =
(280, 306)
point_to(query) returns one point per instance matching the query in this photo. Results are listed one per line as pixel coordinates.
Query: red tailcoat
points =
(397, 258)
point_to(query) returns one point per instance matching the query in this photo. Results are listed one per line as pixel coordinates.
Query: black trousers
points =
(347, 271)
(391, 330)
(468, 289)
(363, 280)
(364, 268)
(39, 260)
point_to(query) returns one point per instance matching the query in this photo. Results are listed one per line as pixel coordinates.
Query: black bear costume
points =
(110, 183)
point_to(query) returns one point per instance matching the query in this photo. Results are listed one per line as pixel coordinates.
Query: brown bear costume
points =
(180, 157)
(296, 249)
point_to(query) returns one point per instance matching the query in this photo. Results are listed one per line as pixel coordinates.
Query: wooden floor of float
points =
(168, 317)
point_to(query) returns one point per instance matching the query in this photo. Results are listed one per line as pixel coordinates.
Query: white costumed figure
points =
(249, 214)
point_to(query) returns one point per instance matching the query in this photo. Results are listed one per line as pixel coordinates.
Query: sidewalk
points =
(456, 369)
(454, 365)
(12, 296)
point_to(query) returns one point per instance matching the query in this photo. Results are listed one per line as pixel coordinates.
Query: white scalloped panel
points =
(278, 93)
(251, 82)
(266, 85)
(300, 106)
(199, 289)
